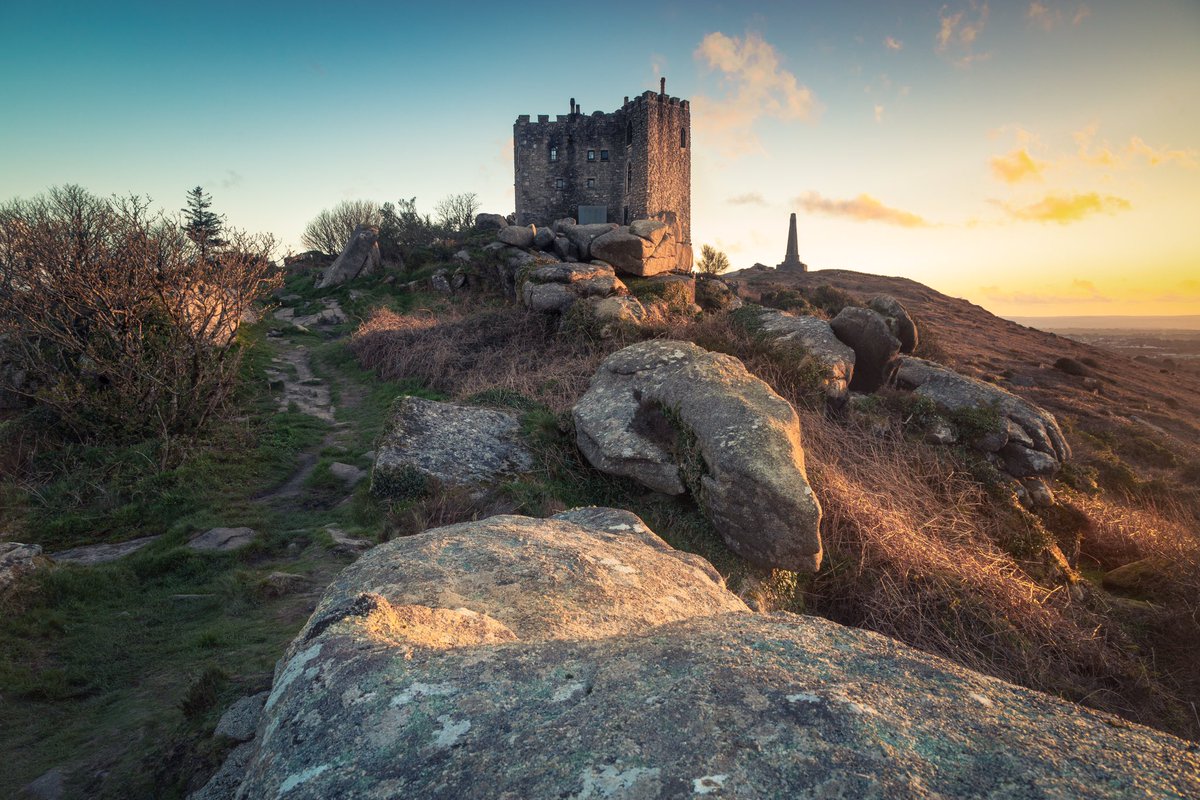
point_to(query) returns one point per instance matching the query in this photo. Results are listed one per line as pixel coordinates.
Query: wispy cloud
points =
(1104, 154)
(754, 85)
(863, 208)
(1017, 166)
(1050, 14)
(892, 43)
(1157, 156)
(748, 199)
(958, 33)
(1067, 208)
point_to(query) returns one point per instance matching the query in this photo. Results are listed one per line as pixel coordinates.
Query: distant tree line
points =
(401, 227)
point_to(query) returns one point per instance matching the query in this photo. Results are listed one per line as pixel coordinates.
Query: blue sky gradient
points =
(282, 109)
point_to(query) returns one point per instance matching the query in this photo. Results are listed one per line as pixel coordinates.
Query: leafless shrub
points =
(117, 322)
(329, 231)
(456, 212)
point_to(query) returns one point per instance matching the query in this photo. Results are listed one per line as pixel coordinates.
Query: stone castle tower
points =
(633, 163)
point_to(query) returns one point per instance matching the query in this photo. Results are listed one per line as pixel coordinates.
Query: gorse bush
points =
(114, 320)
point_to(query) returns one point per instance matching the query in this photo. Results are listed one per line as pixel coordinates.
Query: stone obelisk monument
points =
(791, 261)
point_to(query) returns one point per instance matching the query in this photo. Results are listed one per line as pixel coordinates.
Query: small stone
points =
(348, 473)
(240, 720)
(222, 539)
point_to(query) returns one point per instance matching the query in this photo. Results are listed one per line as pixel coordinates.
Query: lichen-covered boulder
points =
(360, 257)
(582, 236)
(622, 249)
(543, 239)
(677, 418)
(793, 336)
(581, 657)
(516, 235)
(875, 348)
(899, 323)
(1027, 436)
(431, 444)
(651, 230)
(490, 222)
(554, 288)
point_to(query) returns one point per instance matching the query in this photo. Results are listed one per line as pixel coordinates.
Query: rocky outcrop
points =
(798, 336)
(581, 657)
(678, 418)
(516, 235)
(1027, 438)
(875, 348)
(360, 257)
(582, 236)
(554, 288)
(490, 222)
(899, 323)
(444, 444)
(644, 247)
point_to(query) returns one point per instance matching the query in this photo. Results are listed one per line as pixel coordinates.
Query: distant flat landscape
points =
(1181, 322)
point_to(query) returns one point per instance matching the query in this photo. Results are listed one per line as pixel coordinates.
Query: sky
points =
(1036, 158)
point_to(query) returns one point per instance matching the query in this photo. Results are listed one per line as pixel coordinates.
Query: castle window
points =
(591, 155)
(604, 155)
(559, 183)
(591, 183)
(554, 154)
(683, 137)
(629, 178)
(629, 133)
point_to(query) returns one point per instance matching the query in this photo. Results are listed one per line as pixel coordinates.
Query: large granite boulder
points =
(430, 444)
(798, 336)
(650, 252)
(490, 222)
(580, 657)
(360, 257)
(899, 323)
(1028, 438)
(678, 418)
(875, 348)
(582, 236)
(554, 288)
(516, 235)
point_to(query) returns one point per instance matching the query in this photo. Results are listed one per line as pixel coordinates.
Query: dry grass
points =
(1121, 532)
(464, 351)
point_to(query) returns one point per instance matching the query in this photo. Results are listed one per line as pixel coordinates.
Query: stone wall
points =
(647, 174)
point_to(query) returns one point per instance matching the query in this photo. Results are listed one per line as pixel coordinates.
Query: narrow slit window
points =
(554, 154)
(683, 137)
(629, 178)
(629, 133)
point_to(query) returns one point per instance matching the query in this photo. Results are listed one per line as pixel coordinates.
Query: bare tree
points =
(456, 212)
(712, 261)
(117, 322)
(331, 229)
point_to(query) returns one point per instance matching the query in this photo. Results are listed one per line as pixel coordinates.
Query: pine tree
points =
(201, 225)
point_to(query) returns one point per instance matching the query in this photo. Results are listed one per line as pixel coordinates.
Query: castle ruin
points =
(633, 163)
